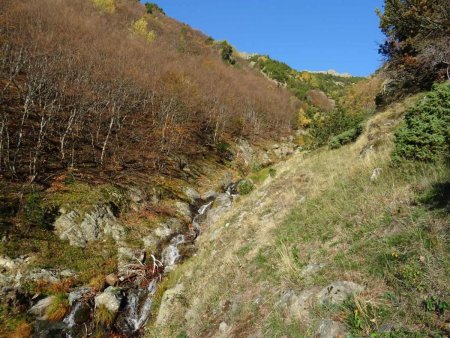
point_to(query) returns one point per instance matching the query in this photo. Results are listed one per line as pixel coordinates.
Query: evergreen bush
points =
(425, 132)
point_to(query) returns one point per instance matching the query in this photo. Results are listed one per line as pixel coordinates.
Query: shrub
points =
(245, 187)
(22, 330)
(140, 27)
(108, 6)
(425, 133)
(225, 151)
(324, 126)
(346, 137)
(272, 172)
(227, 53)
(153, 8)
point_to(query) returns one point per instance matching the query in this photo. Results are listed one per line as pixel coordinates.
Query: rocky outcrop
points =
(298, 305)
(330, 329)
(375, 174)
(15, 272)
(170, 300)
(191, 194)
(319, 99)
(221, 205)
(183, 211)
(338, 291)
(81, 228)
(40, 308)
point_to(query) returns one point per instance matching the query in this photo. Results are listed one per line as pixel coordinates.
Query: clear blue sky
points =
(312, 35)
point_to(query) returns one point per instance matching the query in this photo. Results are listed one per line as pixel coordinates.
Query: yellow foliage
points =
(302, 120)
(303, 140)
(305, 76)
(151, 36)
(108, 6)
(140, 27)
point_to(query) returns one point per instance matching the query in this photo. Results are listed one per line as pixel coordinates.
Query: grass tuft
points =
(103, 316)
(58, 309)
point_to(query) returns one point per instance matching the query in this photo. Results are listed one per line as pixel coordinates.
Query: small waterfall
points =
(137, 310)
(200, 214)
(171, 254)
(70, 319)
(204, 208)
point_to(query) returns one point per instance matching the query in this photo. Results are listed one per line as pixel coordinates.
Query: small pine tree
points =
(425, 133)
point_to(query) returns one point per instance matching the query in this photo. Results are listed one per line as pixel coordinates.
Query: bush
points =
(153, 8)
(140, 27)
(346, 137)
(325, 126)
(425, 133)
(245, 187)
(227, 53)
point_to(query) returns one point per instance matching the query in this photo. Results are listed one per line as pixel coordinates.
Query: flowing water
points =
(137, 301)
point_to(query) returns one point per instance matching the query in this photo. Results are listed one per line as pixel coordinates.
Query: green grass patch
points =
(259, 176)
(394, 231)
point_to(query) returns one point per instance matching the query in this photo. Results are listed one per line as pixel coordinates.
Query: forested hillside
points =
(115, 85)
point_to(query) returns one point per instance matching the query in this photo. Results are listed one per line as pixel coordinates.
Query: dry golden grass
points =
(103, 316)
(23, 330)
(58, 309)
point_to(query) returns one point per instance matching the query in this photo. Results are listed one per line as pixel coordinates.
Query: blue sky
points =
(312, 35)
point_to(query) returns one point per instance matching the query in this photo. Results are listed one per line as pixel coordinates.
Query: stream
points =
(136, 295)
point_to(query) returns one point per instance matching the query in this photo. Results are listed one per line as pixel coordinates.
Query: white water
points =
(138, 315)
(70, 319)
(204, 208)
(139, 301)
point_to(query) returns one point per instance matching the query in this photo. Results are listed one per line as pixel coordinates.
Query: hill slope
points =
(104, 84)
(330, 225)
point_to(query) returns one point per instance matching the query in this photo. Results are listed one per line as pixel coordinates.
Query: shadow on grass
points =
(438, 197)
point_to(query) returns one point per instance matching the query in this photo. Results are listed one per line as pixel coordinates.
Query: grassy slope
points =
(323, 208)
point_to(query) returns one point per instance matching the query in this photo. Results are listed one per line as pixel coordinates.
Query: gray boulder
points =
(170, 300)
(81, 229)
(297, 306)
(136, 197)
(168, 228)
(110, 299)
(221, 204)
(78, 293)
(41, 307)
(245, 152)
(375, 174)
(211, 194)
